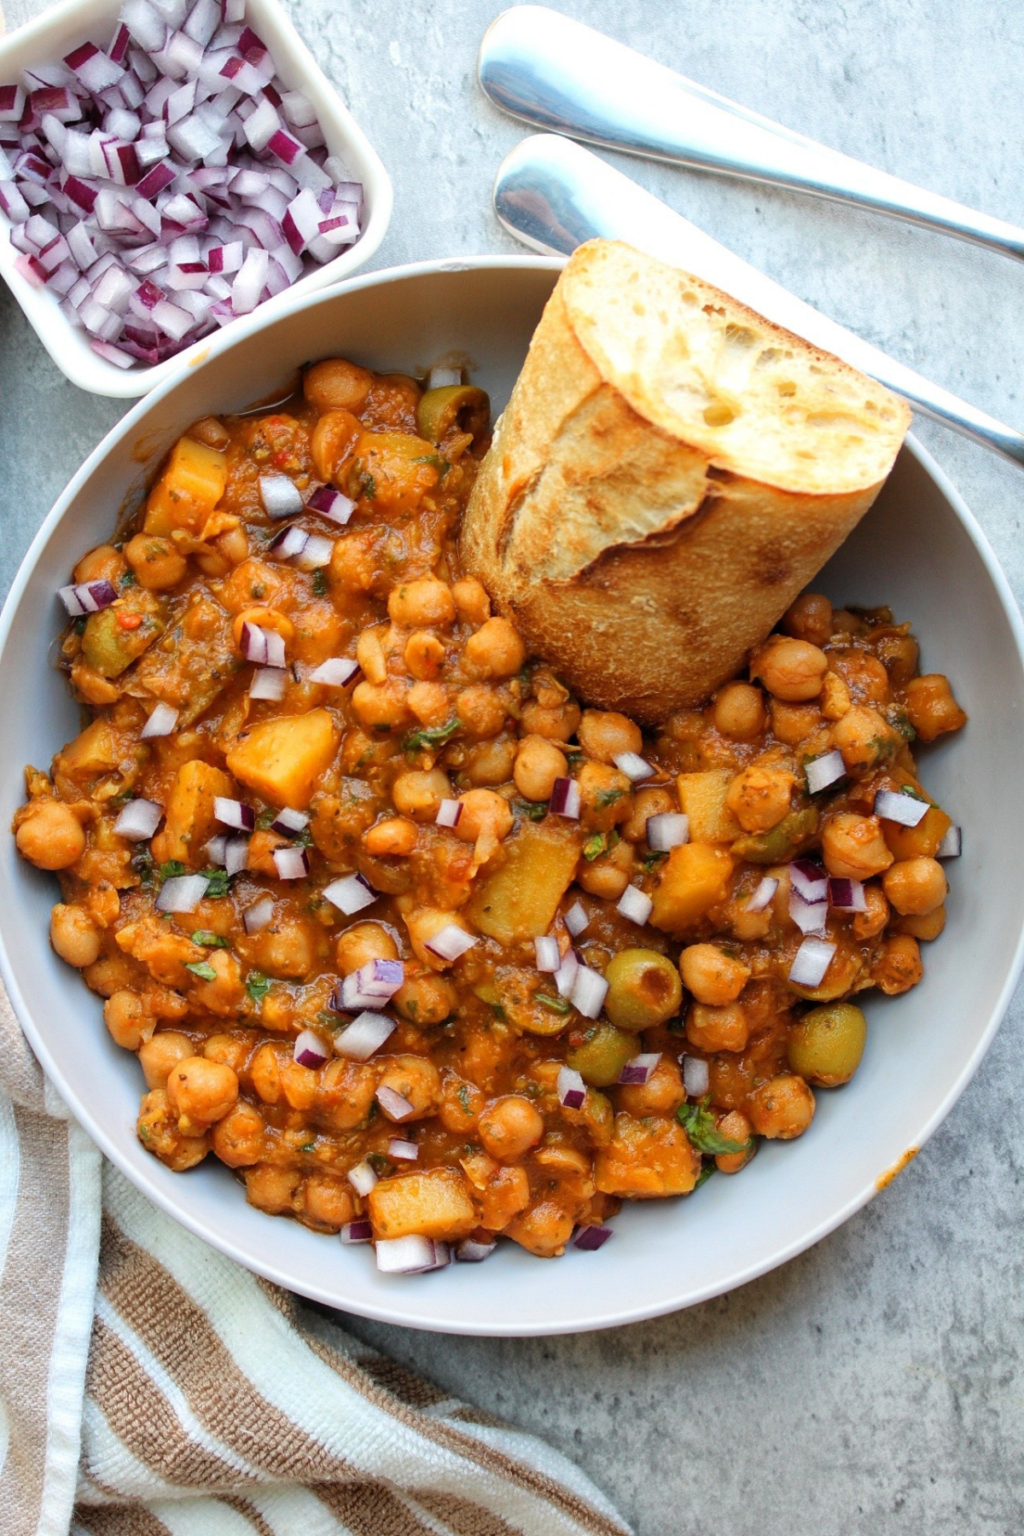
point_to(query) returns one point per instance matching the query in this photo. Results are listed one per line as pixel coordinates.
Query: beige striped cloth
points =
(151, 1387)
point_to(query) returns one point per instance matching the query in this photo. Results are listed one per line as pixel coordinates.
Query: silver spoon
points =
(553, 194)
(558, 74)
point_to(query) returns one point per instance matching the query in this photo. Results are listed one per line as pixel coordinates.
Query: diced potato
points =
(188, 490)
(393, 470)
(520, 899)
(695, 877)
(95, 751)
(647, 1159)
(432, 1204)
(702, 797)
(117, 636)
(190, 820)
(920, 842)
(282, 759)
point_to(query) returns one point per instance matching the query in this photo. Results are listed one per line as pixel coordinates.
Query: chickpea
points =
(853, 847)
(156, 562)
(608, 875)
(722, 1028)
(49, 835)
(809, 618)
(418, 794)
(238, 1138)
(354, 563)
(915, 887)
(711, 975)
(362, 943)
(325, 1203)
(931, 706)
(393, 838)
(791, 670)
(272, 1189)
(782, 1108)
(739, 712)
(898, 967)
(481, 710)
(899, 656)
(201, 1091)
(74, 935)
(159, 1132)
(212, 432)
(605, 796)
(228, 1050)
(926, 927)
(417, 1080)
(429, 703)
(223, 994)
(759, 798)
(285, 949)
(108, 973)
(827, 1044)
(490, 762)
(538, 764)
(793, 723)
(863, 737)
(383, 706)
(332, 443)
(495, 650)
(510, 1126)
(604, 733)
(485, 814)
(558, 722)
(160, 1054)
(104, 563)
(128, 1022)
(835, 697)
(662, 1093)
(735, 1126)
(370, 656)
(336, 384)
(424, 656)
(602, 1054)
(646, 803)
(866, 680)
(425, 601)
(424, 999)
(233, 544)
(875, 915)
(643, 989)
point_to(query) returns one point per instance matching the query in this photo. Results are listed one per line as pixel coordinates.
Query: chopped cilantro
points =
(705, 1174)
(594, 847)
(378, 1162)
(217, 881)
(432, 736)
(533, 810)
(203, 969)
(552, 1003)
(651, 861)
(257, 986)
(264, 819)
(436, 461)
(607, 797)
(462, 1094)
(499, 1013)
(171, 869)
(78, 625)
(320, 584)
(129, 579)
(308, 1146)
(574, 756)
(699, 1124)
(209, 940)
(144, 867)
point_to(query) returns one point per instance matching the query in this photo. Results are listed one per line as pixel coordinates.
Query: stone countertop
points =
(872, 1386)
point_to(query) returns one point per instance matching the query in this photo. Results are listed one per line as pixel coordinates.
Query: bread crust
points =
(670, 472)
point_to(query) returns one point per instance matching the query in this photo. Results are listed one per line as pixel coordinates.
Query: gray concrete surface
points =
(873, 1386)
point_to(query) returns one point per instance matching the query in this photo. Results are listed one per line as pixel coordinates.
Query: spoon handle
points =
(558, 74)
(552, 195)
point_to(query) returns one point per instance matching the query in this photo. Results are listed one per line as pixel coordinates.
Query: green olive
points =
(644, 989)
(602, 1056)
(460, 407)
(826, 1046)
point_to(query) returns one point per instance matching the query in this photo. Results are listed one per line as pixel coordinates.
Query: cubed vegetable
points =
(702, 797)
(920, 842)
(282, 759)
(190, 820)
(117, 636)
(434, 1204)
(647, 1159)
(520, 899)
(393, 470)
(694, 879)
(188, 490)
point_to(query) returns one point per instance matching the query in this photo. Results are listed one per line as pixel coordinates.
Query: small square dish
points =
(47, 41)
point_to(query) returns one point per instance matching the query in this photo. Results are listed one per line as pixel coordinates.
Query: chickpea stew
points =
(426, 951)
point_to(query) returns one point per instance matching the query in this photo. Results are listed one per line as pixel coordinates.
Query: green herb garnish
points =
(129, 579)
(699, 1124)
(320, 583)
(209, 940)
(702, 1178)
(650, 861)
(217, 881)
(172, 869)
(552, 1003)
(257, 986)
(203, 969)
(432, 736)
(533, 810)
(594, 847)
(606, 797)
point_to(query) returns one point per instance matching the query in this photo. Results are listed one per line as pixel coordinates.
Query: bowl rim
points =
(87, 369)
(406, 1313)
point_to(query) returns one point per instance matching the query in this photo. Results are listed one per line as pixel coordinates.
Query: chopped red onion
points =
(810, 963)
(356, 1232)
(638, 1070)
(847, 895)
(366, 1034)
(291, 541)
(139, 820)
(234, 813)
(809, 916)
(335, 672)
(411, 1255)
(548, 958)
(259, 916)
(565, 799)
(263, 646)
(809, 879)
(87, 597)
(450, 942)
(571, 1089)
(289, 823)
(362, 1178)
(181, 893)
(762, 895)
(280, 496)
(268, 683)
(589, 1239)
(394, 1104)
(310, 1050)
(588, 992)
(696, 1076)
(906, 810)
(215, 849)
(331, 504)
(377, 980)
(471, 1251)
(315, 554)
(448, 813)
(565, 976)
(291, 863)
(576, 919)
(236, 855)
(667, 830)
(350, 894)
(403, 1151)
(635, 905)
(633, 766)
(951, 846)
(825, 770)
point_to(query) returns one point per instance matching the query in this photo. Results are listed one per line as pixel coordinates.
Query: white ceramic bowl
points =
(919, 549)
(47, 39)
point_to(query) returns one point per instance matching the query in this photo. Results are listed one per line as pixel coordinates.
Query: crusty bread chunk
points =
(671, 470)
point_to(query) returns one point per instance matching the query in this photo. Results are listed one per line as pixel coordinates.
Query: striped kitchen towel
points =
(151, 1387)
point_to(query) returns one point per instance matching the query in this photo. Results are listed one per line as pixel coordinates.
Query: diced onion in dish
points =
(588, 992)
(809, 916)
(637, 1072)
(667, 830)
(234, 813)
(365, 1035)
(825, 770)
(448, 813)
(236, 855)
(810, 963)
(289, 823)
(589, 1239)
(214, 850)
(362, 1177)
(548, 958)
(268, 683)
(576, 919)
(635, 905)
(331, 504)
(633, 766)
(291, 863)
(308, 551)
(762, 895)
(335, 672)
(87, 597)
(356, 1232)
(952, 845)
(394, 1104)
(350, 894)
(565, 799)
(907, 810)
(565, 976)
(289, 542)
(258, 917)
(847, 895)
(377, 980)
(411, 1255)
(263, 646)
(443, 378)
(470, 1251)
(572, 1090)
(450, 942)
(404, 1151)
(809, 879)
(181, 893)
(696, 1076)
(139, 820)
(309, 1050)
(161, 722)
(169, 183)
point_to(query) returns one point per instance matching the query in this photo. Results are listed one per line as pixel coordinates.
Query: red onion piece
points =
(905, 810)
(565, 799)
(289, 823)
(952, 844)
(809, 879)
(234, 813)
(571, 1089)
(291, 541)
(259, 916)
(291, 863)
(639, 1069)
(763, 894)
(377, 980)
(310, 1050)
(825, 770)
(576, 919)
(633, 766)
(350, 894)
(810, 963)
(331, 504)
(316, 553)
(450, 942)
(548, 958)
(448, 813)
(667, 830)
(403, 1151)
(366, 1034)
(263, 646)
(181, 893)
(471, 1251)
(847, 895)
(411, 1255)
(139, 820)
(215, 849)
(87, 597)
(589, 1239)
(236, 855)
(809, 916)
(335, 672)
(280, 496)
(696, 1076)
(356, 1232)
(394, 1104)
(270, 683)
(588, 992)
(635, 905)
(362, 1178)
(565, 976)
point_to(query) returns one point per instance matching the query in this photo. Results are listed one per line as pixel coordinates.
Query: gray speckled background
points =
(874, 1385)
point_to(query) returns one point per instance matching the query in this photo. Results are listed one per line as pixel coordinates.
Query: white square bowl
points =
(51, 36)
